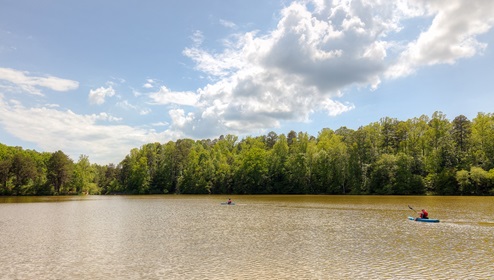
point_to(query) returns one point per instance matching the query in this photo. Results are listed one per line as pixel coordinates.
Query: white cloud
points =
(179, 118)
(317, 51)
(99, 95)
(93, 135)
(160, 124)
(451, 36)
(52, 105)
(165, 96)
(335, 108)
(24, 81)
(227, 23)
(149, 83)
(106, 117)
(216, 65)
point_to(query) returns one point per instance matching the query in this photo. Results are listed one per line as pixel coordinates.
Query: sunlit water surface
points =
(261, 237)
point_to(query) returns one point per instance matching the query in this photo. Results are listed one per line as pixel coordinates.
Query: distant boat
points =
(226, 203)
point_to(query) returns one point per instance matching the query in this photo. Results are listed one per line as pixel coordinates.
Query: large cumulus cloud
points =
(318, 50)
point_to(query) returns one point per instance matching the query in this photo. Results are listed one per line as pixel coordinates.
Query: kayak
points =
(424, 220)
(226, 203)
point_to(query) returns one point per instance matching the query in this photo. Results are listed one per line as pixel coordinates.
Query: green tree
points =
(291, 137)
(331, 164)
(491, 182)
(24, 171)
(278, 157)
(152, 153)
(223, 158)
(107, 179)
(461, 133)
(83, 176)
(392, 174)
(406, 182)
(416, 138)
(5, 166)
(271, 139)
(382, 178)
(60, 169)
(135, 175)
(442, 183)
(464, 183)
(251, 174)
(197, 176)
(360, 156)
(389, 135)
(140, 178)
(483, 140)
(300, 163)
(372, 134)
(179, 160)
(480, 181)
(165, 179)
(440, 152)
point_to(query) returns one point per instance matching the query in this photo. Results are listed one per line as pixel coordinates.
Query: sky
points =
(99, 78)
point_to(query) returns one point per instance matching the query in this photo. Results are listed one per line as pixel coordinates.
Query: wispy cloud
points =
(25, 82)
(125, 104)
(197, 38)
(227, 23)
(165, 96)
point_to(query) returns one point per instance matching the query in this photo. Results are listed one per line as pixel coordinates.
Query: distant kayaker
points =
(229, 201)
(424, 214)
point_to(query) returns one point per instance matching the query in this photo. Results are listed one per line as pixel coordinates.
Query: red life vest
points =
(424, 214)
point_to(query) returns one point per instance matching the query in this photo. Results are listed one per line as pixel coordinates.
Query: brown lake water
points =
(261, 237)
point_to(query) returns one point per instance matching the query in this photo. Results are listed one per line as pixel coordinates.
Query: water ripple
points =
(196, 238)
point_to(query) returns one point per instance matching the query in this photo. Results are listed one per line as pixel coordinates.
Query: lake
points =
(261, 237)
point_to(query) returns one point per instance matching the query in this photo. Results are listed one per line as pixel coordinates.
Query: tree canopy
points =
(422, 155)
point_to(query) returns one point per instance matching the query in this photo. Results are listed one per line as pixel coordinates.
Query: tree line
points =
(422, 155)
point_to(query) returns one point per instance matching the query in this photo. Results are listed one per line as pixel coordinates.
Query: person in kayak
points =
(229, 201)
(424, 214)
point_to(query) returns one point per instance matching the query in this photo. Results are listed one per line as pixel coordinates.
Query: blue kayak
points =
(424, 220)
(226, 203)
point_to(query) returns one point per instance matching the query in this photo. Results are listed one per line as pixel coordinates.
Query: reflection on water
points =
(278, 237)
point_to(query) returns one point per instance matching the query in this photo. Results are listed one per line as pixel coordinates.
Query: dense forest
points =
(424, 155)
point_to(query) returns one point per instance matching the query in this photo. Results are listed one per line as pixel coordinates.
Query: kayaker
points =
(424, 214)
(229, 201)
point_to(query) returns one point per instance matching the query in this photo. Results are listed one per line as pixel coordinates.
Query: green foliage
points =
(23, 169)
(424, 155)
(60, 169)
(197, 176)
(330, 171)
(251, 169)
(483, 141)
(83, 176)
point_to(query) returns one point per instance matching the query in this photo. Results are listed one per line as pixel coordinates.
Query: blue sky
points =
(99, 78)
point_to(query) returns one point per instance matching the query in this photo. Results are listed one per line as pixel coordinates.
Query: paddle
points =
(412, 209)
